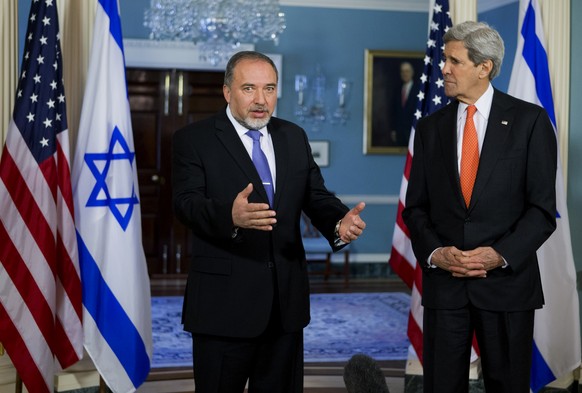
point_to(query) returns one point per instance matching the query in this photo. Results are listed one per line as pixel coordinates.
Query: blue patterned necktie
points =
(262, 165)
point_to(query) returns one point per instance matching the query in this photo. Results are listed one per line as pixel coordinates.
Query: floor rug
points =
(342, 325)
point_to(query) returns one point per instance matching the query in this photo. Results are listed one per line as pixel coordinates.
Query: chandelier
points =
(218, 27)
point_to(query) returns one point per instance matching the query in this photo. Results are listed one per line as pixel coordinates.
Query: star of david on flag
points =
(101, 164)
(116, 285)
(556, 349)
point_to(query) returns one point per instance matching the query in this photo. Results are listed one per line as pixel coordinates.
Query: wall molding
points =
(369, 199)
(361, 257)
(380, 5)
(387, 5)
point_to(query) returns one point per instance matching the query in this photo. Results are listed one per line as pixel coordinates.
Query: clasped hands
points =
(258, 216)
(470, 263)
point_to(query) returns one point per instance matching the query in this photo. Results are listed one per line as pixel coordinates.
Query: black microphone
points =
(363, 375)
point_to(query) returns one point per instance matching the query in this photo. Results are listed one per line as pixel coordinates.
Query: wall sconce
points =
(315, 113)
(341, 115)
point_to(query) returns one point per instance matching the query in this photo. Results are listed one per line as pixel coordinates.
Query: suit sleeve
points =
(538, 220)
(416, 213)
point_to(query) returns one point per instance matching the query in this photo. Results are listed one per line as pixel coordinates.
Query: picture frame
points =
(388, 107)
(320, 152)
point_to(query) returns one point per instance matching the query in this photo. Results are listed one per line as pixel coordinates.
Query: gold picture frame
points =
(388, 108)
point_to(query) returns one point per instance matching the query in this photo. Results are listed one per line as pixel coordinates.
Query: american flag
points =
(430, 98)
(40, 286)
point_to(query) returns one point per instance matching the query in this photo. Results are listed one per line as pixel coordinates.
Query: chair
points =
(318, 251)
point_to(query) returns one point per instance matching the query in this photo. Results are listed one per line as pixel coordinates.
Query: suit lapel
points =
(282, 159)
(498, 128)
(447, 128)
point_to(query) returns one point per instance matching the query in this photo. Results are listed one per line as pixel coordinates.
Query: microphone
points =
(363, 375)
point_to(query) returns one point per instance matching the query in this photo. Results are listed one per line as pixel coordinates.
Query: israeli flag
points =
(557, 325)
(116, 287)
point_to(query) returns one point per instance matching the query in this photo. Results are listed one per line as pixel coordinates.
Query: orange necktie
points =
(469, 155)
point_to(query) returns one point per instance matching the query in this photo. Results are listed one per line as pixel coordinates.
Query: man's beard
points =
(255, 124)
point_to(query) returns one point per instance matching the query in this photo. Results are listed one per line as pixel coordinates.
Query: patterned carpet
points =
(342, 324)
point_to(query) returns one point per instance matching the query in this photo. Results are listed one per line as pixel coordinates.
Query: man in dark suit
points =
(247, 295)
(478, 247)
(403, 106)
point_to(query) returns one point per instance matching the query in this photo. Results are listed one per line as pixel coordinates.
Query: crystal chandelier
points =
(218, 27)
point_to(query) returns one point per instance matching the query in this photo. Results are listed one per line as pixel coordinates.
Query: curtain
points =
(9, 64)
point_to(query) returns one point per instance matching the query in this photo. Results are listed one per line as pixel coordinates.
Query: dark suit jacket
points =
(512, 206)
(230, 289)
(404, 115)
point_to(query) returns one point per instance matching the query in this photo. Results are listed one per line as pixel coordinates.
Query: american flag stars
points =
(45, 92)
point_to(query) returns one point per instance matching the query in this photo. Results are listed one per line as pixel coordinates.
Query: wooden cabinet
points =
(161, 102)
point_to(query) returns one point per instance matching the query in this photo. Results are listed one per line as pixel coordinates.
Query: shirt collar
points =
(483, 104)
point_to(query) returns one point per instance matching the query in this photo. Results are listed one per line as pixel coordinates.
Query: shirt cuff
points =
(428, 261)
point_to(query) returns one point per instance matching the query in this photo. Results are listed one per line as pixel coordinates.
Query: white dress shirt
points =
(266, 143)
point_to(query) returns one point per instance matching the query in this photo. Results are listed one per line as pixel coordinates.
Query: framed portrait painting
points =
(392, 83)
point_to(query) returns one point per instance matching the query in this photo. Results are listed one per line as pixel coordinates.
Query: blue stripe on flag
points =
(541, 374)
(111, 10)
(537, 60)
(113, 323)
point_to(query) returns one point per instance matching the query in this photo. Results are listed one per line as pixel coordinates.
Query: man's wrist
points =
(337, 240)
(337, 229)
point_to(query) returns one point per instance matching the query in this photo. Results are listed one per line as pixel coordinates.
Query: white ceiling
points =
(388, 5)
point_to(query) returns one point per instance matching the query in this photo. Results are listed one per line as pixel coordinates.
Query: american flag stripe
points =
(26, 205)
(25, 363)
(30, 291)
(19, 246)
(29, 237)
(20, 338)
(29, 174)
(64, 173)
(40, 286)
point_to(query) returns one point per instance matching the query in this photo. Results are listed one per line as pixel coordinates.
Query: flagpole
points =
(102, 385)
(18, 384)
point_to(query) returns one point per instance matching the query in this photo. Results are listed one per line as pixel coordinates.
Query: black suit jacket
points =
(404, 115)
(230, 288)
(512, 206)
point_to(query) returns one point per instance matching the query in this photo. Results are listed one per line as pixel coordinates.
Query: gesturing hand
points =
(352, 224)
(252, 215)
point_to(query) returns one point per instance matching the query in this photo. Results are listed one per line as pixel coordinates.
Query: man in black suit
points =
(247, 295)
(478, 249)
(403, 106)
